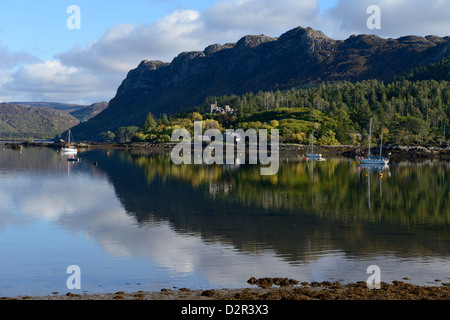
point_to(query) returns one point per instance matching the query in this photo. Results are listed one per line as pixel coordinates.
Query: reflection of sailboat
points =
(311, 170)
(373, 168)
(310, 166)
(311, 154)
(71, 158)
(376, 160)
(67, 148)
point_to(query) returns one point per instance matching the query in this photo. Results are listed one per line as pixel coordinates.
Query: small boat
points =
(374, 160)
(312, 155)
(377, 160)
(68, 148)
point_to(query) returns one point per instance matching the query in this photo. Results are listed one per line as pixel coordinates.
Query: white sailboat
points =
(374, 160)
(312, 155)
(68, 148)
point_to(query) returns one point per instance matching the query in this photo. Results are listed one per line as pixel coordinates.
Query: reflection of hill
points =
(289, 213)
(32, 159)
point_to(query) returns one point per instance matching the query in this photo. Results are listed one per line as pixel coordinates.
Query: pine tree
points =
(150, 123)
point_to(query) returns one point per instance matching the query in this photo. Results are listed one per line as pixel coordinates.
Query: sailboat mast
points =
(381, 143)
(370, 133)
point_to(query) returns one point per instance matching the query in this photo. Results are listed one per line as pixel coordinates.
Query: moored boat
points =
(67, 147)
(375, 160)
(312, 155)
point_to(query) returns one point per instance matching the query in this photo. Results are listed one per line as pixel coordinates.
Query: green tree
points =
(274, 123)
(150, 123)
(107, 136)
(164, 119)
(124, 134)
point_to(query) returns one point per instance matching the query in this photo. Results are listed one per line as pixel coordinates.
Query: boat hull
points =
(69, 150)
(380, 162)
(313, 155)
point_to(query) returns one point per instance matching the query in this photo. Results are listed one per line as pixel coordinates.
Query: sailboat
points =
(312, 155)
(377, 160)
(68, 148)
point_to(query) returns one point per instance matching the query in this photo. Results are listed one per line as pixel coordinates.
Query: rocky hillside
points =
(27, 122)
(68, 107)
(299, 57)
(81, 112)
(88, 112)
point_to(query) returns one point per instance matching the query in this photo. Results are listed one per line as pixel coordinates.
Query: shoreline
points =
(286, 289)
(396, 151)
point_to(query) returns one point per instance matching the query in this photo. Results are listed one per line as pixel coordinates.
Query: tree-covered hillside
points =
(437, 71)
(338, 113)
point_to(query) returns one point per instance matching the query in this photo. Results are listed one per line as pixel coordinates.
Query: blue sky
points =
(42, 60)
(39, 27)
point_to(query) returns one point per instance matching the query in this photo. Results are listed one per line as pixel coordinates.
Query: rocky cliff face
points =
(258, 62)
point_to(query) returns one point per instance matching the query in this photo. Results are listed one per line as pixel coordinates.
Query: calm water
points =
(138, 222)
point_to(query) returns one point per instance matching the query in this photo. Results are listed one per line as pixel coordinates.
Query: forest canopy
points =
(338, 113)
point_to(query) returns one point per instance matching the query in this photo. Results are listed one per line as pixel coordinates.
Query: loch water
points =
(133, 220)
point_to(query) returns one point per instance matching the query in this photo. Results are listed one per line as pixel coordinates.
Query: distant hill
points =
(27, 122)
(54, 105)
(87, 112)
(81, 112)
(300, 57)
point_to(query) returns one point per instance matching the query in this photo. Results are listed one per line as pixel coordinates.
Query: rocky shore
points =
(273, 289)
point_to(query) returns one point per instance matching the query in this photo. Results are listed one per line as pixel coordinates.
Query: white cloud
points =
(125, 46)
(11, 59)
(53, 81)
(9, 62)
(398, 18)
(270, 17)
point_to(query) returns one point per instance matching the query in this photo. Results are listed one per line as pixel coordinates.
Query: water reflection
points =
(284, 212)
(338, 194)
(221, 225)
